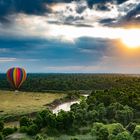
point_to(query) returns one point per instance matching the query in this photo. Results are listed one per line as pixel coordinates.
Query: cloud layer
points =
(67, 35)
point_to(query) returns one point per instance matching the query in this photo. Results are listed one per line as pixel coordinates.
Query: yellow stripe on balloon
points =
(14, 77)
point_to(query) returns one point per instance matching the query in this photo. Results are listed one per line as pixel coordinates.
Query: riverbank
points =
(14, 105)
(54, 106)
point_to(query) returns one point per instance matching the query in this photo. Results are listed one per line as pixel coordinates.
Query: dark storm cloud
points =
(39, 6)
(81, 8)
(92, 2)
(103, 7)
(35, 7)
(107, 21)
(132, 15)
(131, 18)
(17, 6)
(68, 23)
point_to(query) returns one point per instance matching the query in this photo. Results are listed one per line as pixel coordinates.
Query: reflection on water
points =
(66, 106)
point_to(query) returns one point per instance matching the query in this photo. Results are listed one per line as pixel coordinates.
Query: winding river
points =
(65, 106)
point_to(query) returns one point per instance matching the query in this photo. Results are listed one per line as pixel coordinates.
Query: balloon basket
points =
(16, 91)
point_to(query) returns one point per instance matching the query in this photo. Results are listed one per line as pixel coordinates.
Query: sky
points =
(70, 36)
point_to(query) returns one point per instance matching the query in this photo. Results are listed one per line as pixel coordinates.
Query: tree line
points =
(63, 82)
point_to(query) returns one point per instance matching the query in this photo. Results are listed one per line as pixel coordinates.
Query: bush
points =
(74, 139)
(95, 129)
(136, 133)
(97, 126)
(7, 131)
(1, 126)
(23, 129)
(111, 137)
(52, 132)
(38, 137)
(118, 129)
(1, 136)
(131, 127)
(103, 133)
(123, 136)
(25, 121)
(32, 130)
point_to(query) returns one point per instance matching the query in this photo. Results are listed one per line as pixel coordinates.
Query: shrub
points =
(111, 137)
(1, 136)
(32, 130)
(118, 129)
(1, 126)
(103, 133)
(95, 129)
(93, 132)
(23, 129)
(25, 121)
(136, 133)
(52, 132)
(38, 121)
(38, 137)
(74, 139)
(7, 131)
(123, 136)
(97, 126)
(131, 127)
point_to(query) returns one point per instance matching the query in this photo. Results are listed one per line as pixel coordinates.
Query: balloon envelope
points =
(16, 76)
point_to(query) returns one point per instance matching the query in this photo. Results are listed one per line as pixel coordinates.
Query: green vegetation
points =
(15, 104)
(112, 120)
(111, 112)
(65, 82)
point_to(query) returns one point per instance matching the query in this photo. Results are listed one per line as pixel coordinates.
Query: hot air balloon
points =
(16, 77)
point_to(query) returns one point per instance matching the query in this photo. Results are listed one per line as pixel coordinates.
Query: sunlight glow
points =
(131, 38)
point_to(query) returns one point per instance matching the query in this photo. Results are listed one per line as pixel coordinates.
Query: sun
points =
(131, 38)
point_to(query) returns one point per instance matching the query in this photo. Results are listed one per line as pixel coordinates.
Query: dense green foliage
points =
(1, 136)
(110, 114)
(7, 131)
(43, 82)
(1, 126)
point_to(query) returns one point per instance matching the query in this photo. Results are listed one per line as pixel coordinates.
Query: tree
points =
(25, 121)
(92, 116)
(1, 126)
(38, 137)
(101, 111)
(7, 131)
(123, 136)
(64, 121)
(117, 129)
(103, 133)
(1, 136)
(111, 137)
(32, 130)
(136, 133)
(124, 116)
(131, 127)
(45, 117)
(39, 121)
(95, 129)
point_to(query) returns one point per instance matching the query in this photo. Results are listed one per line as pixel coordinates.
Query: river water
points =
(66, 106)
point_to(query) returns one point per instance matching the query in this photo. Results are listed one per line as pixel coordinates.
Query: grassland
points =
(12, 103)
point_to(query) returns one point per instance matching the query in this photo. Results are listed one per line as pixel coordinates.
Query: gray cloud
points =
(102, 2)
